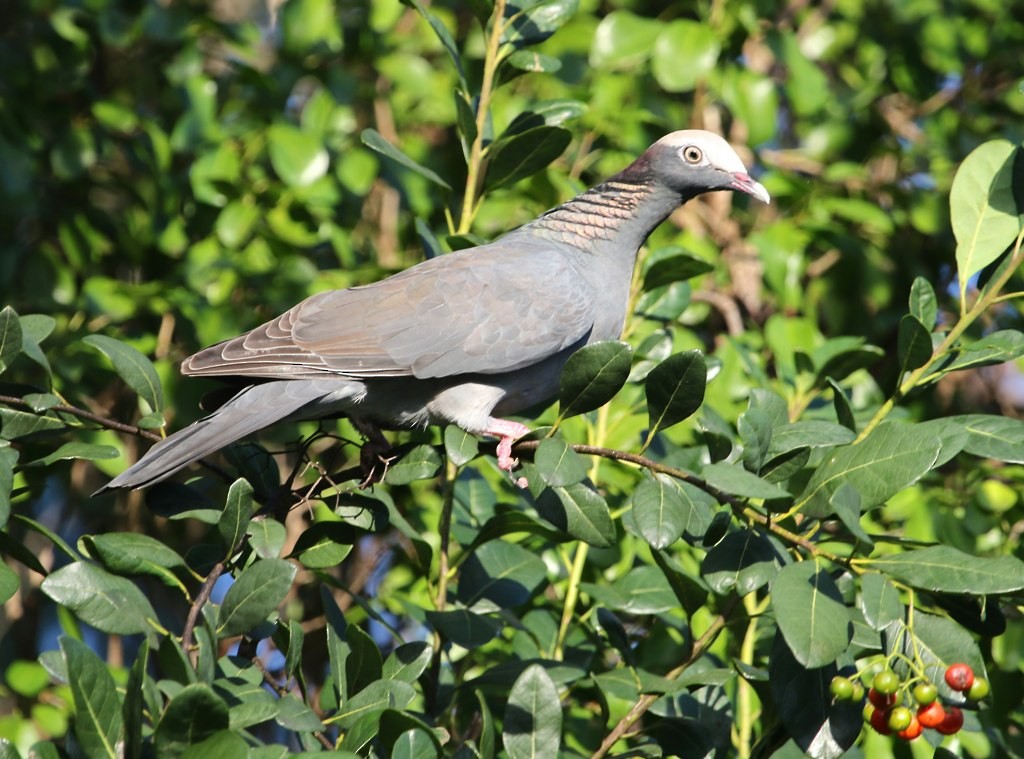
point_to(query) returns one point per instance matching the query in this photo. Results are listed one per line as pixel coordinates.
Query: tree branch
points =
(80, 413)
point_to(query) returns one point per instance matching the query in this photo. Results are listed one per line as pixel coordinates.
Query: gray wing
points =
(487, 310)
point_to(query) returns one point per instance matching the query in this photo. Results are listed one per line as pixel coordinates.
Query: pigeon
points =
(467, 338)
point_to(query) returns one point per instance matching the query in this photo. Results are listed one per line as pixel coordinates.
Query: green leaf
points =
(131, 553)
(677, 267)
(373, 140)
(131, 366)
(558, 464)
(891, 458)
(10, 582)
(755, 428)
(534, 62)
(580, 512)
(813, 433)
(735, 480)
(841, 404)
(293, 714)
(914, 343)
(442, 34)
(460, 447)
(531, 22)
(192, 715)
(623, 40)
(504, 574)
(257, 592)
(995, 348)
(364, 665)
(34, 329)
(742, 562)
(77, 450)
(408, 662)
(235, 222)
(846, 505)
(10, 337)
(299, 158)
(267, 537)
(660, 510)
(944, 568)
(937, 642)
(675, 390)
(592, 376)
(809, 611)
(524, 154)
(533, 715)
(8, 458)
(109, 603)
(983, 209)
(324, 544)
(421, 463)
(395, 741)
(234, 520)
(372, 700)
(879, 601)
(993, 437)
(463, 627)
(98, 723)
(684, 54)
(924, 306)
(134, 702)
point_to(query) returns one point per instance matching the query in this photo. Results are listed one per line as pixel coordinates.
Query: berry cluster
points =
(889, 711)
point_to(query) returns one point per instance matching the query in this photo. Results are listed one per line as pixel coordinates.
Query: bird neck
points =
(622, 210)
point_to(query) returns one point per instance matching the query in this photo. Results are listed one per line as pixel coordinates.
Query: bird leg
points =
(372, 452)
(507, 433)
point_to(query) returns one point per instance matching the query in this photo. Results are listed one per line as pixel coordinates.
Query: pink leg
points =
(507, 433)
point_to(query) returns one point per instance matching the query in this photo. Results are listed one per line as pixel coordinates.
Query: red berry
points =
(952, 723)
(959, 677)
(881, 700)
(880, 721)
(912, 730)
(931, 715)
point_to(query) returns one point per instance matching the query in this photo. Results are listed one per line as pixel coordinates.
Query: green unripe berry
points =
(979, 689)
(900, 718)
(925, 693)
(886, 682)
(841, 688)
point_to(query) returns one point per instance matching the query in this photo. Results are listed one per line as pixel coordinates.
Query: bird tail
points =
(254, 408)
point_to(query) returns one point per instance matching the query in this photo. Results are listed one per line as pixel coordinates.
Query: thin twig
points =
(110, 424)
(700, 646)
(201, 598)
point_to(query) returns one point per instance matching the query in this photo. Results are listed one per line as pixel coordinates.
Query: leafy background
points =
(175, 173)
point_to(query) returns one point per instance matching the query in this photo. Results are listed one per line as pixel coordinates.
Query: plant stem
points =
(966, 319)
(476, 151)
(700, 646)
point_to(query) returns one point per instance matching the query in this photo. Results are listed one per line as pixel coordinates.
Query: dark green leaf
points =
(532, 61)
(372, 700)
(9, 583)
(193, 715)
(735, 480)
(266, 537)
(254, 595)
(894, 456)
(292, 714)
(937, 642)
(845, 504)
(914, 343)
(809, 434)
(459, 445)
(993, 437)
(10, 337)
(532, 22)
(324, 544)
(944, 568)
(592, 376)
(558, 464)
(924, 306)
(465, 115)
(674, 268)
(134, 702)
(421, 463)
(463, 627)
(879, 601)
(533, 715)
(675, 389)
(504, 574)
(16, 425)
(338, 649)
(844, 411)
(98, 723)
(755, 428)
(234, 520)
(660, 510)
(373, 140)
(8, 458)
(105, 601)
(131, 366)
(809, 611)
(407, 662)
(131, 553)
(524, 154)
(580, 512)
(77, 450)
(443, 35)
(364, 665)
(743, 562)
(995, 348)
(34, 329)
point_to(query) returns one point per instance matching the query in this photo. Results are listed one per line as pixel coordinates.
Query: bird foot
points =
(507, 433)
(373, 453)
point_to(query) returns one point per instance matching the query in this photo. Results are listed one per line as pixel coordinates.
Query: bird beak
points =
(744, 183)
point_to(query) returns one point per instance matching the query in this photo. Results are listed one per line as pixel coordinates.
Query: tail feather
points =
(252, 409)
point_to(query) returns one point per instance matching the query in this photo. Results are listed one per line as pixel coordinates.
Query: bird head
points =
(693, 161)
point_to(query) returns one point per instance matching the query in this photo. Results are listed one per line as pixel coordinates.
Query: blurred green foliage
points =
(174, 173)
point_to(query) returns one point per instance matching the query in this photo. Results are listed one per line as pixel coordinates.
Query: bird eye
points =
(692, 154)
